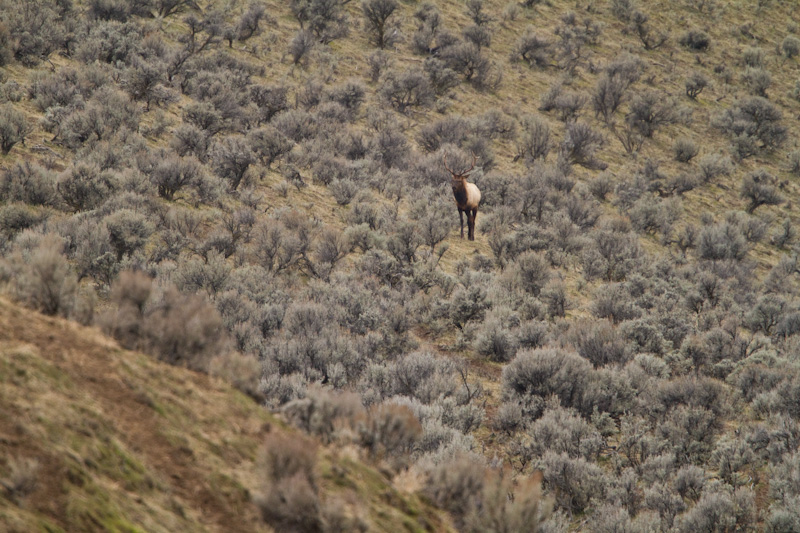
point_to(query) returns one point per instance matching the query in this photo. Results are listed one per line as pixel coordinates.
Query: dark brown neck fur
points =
(460, 192)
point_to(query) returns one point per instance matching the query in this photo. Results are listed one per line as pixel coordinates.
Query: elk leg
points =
(473, 215)
(461, 216)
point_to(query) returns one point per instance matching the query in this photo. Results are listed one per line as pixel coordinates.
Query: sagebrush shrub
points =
(496, 342)
(534, 141)
(575, 482)
(325, 413)
(608, 95)
(180, 329)
(325, 20)
(649, 112)
(300, 47)
(483, 499)
(760, 188)
(622, 9)
(379, 22)
(695, 40)
(662, 499)
(754, 125)
(690, 481)
(184, 330)
(170, 173)
(685, 149)
(758, 80)
(378, 62)
(35, 32)
(753, 56)
(784, 235)
(390, 429)
(14, 128)
(128, 231)
(695, 84)
(611, 255)
(456, 486)
(411, 88)
(650, 39)
(790, 46)
(43, 278)
(563, 431)
(249, 23)
(598, 342)
(466, 58)
(722, 241)
(289, 498)
(508, 504)
(231, 157)
(720, 511)
(269, 99)
(22, 478)
(713, 166)
(29, 183)
(581, 144)
(546, 371)
(532, 49)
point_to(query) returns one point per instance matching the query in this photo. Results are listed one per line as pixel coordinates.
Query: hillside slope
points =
(125, 443)
(266, 177)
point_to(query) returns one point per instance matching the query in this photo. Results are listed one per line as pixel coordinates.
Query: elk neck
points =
(460, 192)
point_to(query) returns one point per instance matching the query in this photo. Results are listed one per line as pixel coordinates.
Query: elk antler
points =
(474, 160)
(444, 158)
(465, 172)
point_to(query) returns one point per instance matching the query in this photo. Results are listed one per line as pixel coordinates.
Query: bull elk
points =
(467, 195)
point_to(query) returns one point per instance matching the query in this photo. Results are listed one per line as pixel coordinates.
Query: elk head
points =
(459, 176)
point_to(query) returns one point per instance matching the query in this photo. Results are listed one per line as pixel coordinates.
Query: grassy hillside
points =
(257, 190)
(97, 438)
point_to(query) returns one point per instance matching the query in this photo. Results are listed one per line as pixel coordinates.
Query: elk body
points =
(467, 195)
